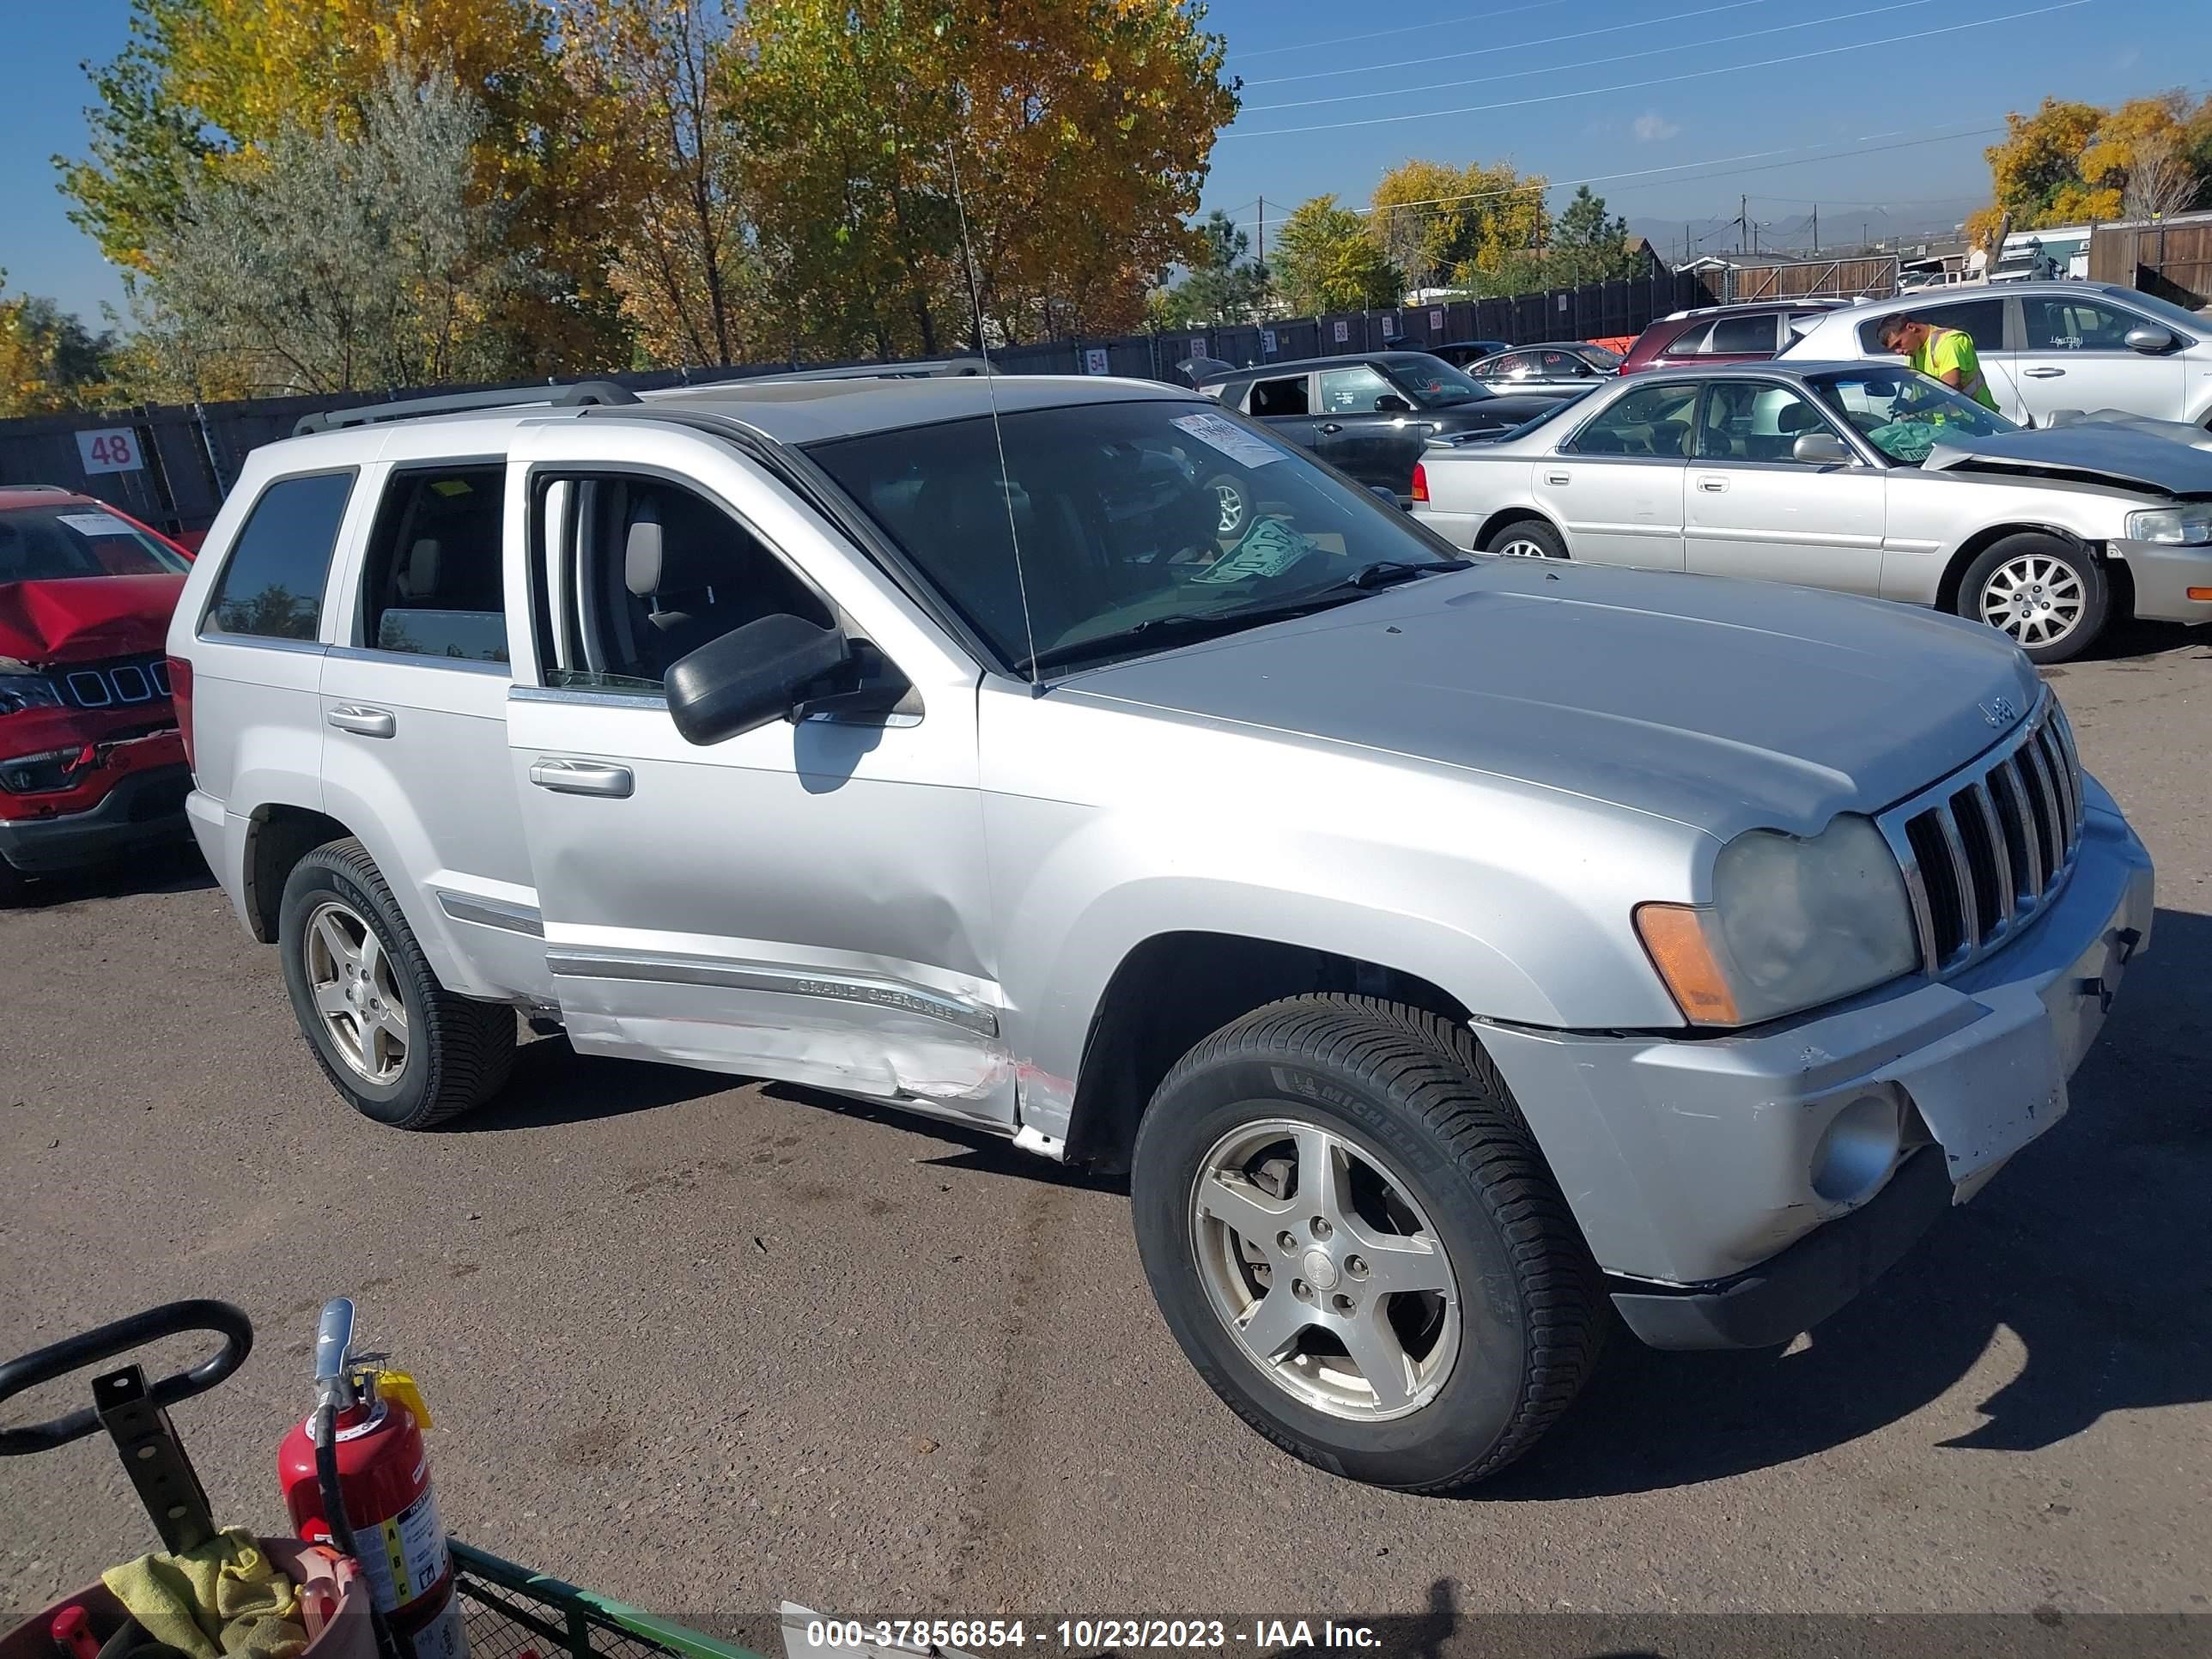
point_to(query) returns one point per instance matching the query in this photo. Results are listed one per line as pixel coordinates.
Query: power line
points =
(1410, 28)
(1861, 149)
(1592, 62)
(1656, 81)
(1485, 51)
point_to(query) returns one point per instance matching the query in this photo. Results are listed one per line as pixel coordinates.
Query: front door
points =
(1369, 429)
(802, 901)
(1753, 510)
(2074, 355)
(1615, 485)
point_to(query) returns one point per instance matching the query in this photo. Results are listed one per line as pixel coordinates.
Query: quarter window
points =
(432, 586)
(1689, 343)
(1982, 320)
(271, 585)
(1650, 420)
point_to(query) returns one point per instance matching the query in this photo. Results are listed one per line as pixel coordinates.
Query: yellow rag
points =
(225, 1598)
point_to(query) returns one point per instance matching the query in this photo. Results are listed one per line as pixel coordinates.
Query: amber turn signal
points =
(1674, 937)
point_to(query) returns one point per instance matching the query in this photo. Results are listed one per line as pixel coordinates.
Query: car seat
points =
(678, 561)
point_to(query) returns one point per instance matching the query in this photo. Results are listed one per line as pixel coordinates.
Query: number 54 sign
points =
(115, 450)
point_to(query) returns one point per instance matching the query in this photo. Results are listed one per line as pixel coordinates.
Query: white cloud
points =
(1650, 129)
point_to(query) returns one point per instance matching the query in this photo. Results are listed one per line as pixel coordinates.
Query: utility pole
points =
(1263, 232)
(1742, 221)
(1816, 227)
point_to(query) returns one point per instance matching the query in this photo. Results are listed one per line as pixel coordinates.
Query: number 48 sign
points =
(115, 450)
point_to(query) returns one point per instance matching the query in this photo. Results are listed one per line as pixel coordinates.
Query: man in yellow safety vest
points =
(1942, 354)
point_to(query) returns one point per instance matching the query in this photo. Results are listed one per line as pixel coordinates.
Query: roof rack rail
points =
(924, 371)
(581, 393)
(42, 488)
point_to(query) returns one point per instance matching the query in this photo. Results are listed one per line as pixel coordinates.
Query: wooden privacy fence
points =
(2174, 262)
(172, 466)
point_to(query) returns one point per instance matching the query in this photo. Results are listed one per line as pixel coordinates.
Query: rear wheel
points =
(401, 1048)
(2049, 595)
(1355, 1241)
(1526, 539)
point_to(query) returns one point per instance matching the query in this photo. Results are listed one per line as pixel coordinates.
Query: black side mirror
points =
(1384, 494)
(750, 676)
(1391, 404)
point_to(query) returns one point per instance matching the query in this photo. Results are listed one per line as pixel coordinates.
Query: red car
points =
(1724, 334)
(91, 764)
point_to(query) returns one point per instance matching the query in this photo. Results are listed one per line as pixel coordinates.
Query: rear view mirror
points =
(2148, 339)
(1820, 449)
(750, 676)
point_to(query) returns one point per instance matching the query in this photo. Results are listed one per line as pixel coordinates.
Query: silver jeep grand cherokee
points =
(1457, 953)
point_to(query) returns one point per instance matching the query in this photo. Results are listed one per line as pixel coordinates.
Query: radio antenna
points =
(991, 390)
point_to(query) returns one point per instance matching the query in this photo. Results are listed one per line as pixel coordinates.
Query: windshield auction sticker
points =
(95, 524)
(1218, 432)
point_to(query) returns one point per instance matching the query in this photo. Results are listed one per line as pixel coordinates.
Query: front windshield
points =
(77, 539)
(1431, 382)
(1905, 415)
(1127, 515)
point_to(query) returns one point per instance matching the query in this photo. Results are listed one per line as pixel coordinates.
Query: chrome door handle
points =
(1330, 426)
(1556, 477)
(363, 722)
(1712, 486)
(2045, 374)
(582, 777)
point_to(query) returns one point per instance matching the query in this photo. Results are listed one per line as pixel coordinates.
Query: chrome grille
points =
(1988, 848)
(121, 684)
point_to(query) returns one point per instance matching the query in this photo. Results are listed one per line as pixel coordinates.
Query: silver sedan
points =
(1857, 477)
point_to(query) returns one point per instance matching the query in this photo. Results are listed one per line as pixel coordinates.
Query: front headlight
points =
(1793, 924)
(2188, 527)
(20, 691)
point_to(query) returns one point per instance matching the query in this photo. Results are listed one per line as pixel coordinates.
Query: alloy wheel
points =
(350, 977)
(1322, 1264)
(2036, 598)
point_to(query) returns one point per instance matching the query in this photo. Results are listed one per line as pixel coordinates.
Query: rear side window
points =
(1735, 334)
(1982, 319)
(1689, 343)
(271, 586)
(432, 584)
(1284, 397)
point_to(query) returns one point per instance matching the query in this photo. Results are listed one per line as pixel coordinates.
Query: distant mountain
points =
(1840, 230)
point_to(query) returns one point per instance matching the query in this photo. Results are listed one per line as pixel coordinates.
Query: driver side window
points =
(1354, 391)
(637, 572)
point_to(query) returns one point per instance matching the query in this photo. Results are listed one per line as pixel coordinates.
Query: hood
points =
(1726, 705)
(2091, 451)
(83, 618)
(2178, 432)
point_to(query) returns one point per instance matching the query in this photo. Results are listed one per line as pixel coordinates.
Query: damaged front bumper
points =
(2164, 576)
(88, 787)
(1739, 1189)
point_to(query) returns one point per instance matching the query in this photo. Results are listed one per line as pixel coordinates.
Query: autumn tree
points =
(335, 261)
(654, 72)
(1326, 260)
(49, 360)
(1456, 226)
(204, 87)
(2070, 163)
(1074, 134)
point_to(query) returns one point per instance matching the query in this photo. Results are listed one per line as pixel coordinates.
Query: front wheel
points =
(1526, 539)
(2049, 595)
(399, 1047)
(1233, 499)
(1354, 1238)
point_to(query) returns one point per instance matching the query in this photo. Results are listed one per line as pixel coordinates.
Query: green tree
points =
(1587, 245)
(1325, 260)
(341, 261)
(49, 360)
(1225, 284)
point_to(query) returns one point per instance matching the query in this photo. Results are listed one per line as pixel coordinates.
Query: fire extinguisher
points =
(355, 1475)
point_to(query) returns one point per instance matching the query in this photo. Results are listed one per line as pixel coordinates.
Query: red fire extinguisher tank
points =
(384, 1475)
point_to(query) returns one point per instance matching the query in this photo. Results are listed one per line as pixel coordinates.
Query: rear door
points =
(413, 710)
(1285, 403)
(2073, 354)
(1615, 486)
(1753, 510)
(803, 902)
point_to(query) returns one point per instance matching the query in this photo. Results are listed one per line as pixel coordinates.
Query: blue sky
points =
(1671, 112)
